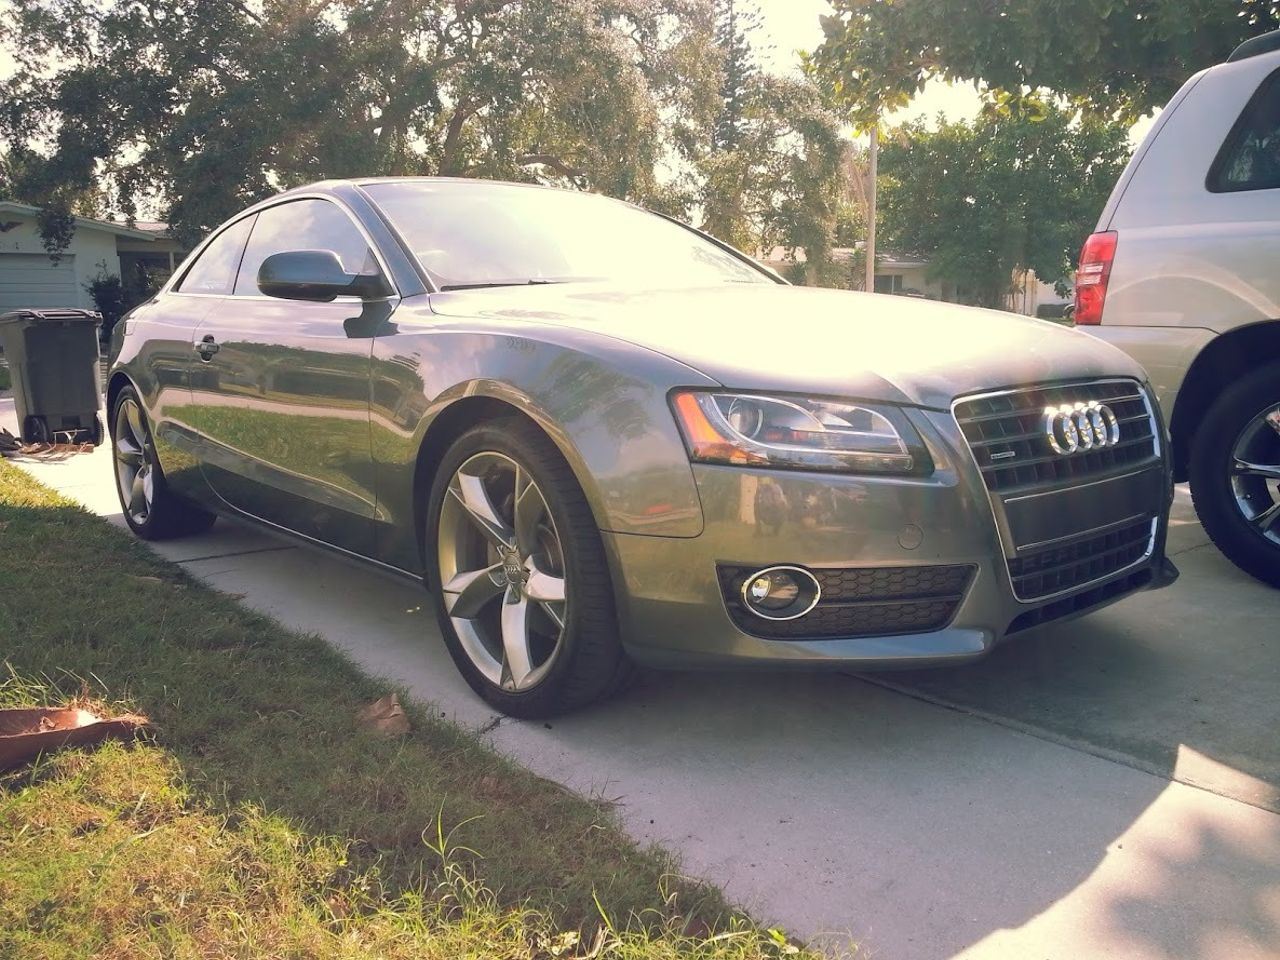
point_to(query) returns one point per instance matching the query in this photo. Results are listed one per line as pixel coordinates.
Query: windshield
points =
(480, 234)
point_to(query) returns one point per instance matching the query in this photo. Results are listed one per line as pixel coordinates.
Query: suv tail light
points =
(1092, 277)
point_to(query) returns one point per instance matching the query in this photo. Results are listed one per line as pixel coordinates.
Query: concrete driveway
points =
(1107, 788)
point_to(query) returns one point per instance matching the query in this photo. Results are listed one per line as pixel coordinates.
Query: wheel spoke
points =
(470, 492)
(1265, 520)
(544, 587)
(529, 511)
(126, 452)
(517, 661)
(138, 495)
(1245, 468)
(466, 594)
(136, 427)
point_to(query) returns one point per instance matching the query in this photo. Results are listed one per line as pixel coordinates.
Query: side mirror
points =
(316, 275)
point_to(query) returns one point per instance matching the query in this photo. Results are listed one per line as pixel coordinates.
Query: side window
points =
(1250, 158)
(302, 225)
(214, 271)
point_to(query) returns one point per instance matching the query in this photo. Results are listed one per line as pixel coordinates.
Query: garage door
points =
(30, 280)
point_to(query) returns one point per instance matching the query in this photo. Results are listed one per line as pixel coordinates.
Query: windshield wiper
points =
(496, 283)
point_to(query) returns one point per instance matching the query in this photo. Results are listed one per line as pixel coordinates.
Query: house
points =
(30, 278)
(908, 275)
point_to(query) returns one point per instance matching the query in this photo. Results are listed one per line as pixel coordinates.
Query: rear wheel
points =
(523, 593)
(151, 510)
(1235, 473)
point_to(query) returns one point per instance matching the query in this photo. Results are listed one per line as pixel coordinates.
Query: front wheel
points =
(151, 510)
(1235, 473)
(523, 593)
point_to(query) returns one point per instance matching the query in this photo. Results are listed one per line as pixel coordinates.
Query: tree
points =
(1003, 194)
(735, 22)
(202, 106)
(773, 173)
(1116, 57)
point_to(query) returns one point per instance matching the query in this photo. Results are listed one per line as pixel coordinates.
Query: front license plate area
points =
(1035, 520)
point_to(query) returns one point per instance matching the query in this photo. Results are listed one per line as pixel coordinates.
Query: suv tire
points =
(1219, 495)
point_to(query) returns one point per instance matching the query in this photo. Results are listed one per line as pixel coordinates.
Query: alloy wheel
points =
(502, 571)
(135, 461)
(1255, 473)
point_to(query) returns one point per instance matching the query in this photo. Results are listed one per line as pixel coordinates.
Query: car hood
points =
(808, 340)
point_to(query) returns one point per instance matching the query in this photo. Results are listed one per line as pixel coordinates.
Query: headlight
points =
(799, 433)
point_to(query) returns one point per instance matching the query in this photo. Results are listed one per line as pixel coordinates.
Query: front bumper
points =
(671, 599)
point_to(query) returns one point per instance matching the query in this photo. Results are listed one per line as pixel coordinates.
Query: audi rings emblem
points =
(1080, 427)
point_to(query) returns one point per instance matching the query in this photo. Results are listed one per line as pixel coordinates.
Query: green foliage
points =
(429, 845)
(205, 106)
(1114, 57)
(109, 296)
(1005, 193)
(774, 175)
(115, 296)
(200, 108)
(736, 21)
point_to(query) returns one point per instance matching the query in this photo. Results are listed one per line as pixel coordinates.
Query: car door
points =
(281, 387)
(170, 322)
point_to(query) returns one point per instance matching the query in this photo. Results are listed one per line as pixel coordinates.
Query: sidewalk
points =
(829, 805)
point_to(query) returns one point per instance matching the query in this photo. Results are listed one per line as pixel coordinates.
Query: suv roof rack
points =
(1255, 46)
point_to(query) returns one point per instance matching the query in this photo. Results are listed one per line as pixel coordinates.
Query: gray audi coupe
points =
(601, 437)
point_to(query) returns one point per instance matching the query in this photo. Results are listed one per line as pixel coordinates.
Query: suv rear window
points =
(1250, 157)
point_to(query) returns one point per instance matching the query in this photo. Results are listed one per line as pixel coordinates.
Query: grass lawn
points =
(261, 819)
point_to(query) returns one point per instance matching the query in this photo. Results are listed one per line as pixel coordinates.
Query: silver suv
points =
(1183, 273)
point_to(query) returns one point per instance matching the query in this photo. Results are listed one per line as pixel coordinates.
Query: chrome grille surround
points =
(1007, 422)
(1010, 422)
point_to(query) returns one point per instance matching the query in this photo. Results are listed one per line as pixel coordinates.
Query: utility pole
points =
(871, 208)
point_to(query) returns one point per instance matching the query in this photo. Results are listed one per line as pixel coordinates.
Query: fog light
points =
(781, 593)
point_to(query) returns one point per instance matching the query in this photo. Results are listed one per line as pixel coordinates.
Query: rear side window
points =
(1250, 158)
(214, 271)
(303, 225)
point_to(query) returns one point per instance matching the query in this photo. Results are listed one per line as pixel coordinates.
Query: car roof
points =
(331, 186)
(1256, 46)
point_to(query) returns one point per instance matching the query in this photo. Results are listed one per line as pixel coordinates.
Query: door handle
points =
(207, 347)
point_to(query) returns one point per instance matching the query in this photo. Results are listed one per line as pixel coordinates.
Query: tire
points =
(162, 515)
(1240, 509)
(584, 661)
(35, 430)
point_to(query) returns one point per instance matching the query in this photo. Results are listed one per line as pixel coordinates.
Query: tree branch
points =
(244, 8)
(552, 161)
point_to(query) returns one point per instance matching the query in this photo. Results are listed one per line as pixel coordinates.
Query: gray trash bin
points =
(53, 362)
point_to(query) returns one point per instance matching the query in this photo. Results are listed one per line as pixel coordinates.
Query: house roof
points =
(85, 223)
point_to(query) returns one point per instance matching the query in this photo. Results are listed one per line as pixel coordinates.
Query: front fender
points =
(602, 402)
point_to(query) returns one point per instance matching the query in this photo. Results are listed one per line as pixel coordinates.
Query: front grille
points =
(1080, 602)
(1054, 569)
(1006, 433)
(859, 602)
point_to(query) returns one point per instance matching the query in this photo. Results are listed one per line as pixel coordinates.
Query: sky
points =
(788, 26)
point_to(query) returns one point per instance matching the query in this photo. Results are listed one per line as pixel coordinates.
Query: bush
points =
(115, 297)
(109, 297)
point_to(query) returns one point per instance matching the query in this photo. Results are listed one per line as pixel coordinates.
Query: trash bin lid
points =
(51, 315)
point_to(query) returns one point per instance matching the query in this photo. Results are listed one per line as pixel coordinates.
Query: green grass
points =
(260, 819)
(5, 382)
